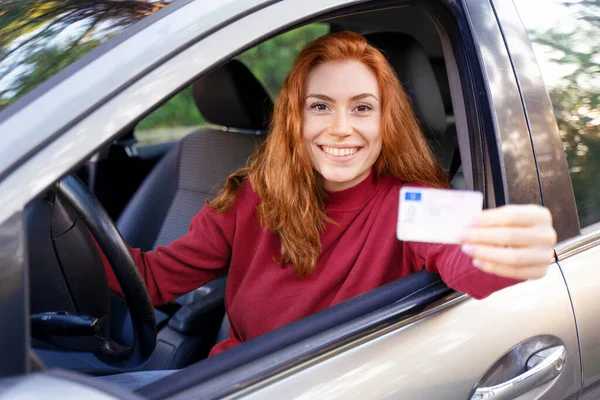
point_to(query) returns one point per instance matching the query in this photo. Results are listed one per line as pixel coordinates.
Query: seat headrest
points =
(231, 96)
(410, 61)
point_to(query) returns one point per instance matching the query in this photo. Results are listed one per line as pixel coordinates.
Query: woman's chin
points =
(335, 182)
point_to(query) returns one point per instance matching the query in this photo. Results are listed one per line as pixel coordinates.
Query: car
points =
(135, 111)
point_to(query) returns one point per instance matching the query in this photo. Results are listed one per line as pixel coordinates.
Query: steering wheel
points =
(73, 193)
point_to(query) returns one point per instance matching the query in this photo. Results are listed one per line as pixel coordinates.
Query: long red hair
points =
(291, 197)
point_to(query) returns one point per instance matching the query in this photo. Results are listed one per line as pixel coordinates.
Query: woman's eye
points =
(319, 106)
(362, 108)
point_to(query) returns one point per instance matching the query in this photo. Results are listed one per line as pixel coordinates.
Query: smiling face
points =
(341, 122)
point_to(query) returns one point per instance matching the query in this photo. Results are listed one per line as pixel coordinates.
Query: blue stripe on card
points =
(412, 196)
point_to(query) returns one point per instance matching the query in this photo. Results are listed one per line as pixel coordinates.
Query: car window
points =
(39, 38)
(566, 42)
(270, 62)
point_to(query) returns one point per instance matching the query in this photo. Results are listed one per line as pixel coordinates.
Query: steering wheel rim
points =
(72, 190)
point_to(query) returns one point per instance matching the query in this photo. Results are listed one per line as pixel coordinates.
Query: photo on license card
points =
(436, 215)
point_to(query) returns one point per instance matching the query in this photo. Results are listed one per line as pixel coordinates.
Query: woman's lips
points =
(340, 153)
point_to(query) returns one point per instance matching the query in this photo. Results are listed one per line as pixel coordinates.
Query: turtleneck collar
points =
(353, 198)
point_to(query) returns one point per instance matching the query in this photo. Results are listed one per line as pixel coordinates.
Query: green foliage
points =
(180, 110)
(271, 61)
(576, 102)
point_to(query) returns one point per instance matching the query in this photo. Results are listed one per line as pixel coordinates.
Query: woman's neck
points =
(353, 197)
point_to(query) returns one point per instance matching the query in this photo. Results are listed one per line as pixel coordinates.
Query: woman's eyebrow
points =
(320, 96)
(363, 95)
(353, 98)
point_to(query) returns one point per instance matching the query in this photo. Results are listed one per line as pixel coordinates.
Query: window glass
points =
(38, 38)
(566, 39)
(269, 61)
(172, 121)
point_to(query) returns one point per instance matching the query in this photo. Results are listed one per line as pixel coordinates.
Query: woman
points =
(311, 221)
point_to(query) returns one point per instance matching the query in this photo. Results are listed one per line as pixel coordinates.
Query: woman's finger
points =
(514, 215)
(513, 256)
(521, 273)
(511, 236)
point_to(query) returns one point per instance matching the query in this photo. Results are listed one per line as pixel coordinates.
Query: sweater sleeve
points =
(456, 269)
(186, 263)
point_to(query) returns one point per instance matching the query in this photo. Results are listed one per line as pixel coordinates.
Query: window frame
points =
(248, 380)
(475, 118)
(100, 130)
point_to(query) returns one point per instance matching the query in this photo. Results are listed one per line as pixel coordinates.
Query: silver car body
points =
(439, 354)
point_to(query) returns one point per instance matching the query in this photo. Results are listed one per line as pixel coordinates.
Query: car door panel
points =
(444, 355)
(579, 260)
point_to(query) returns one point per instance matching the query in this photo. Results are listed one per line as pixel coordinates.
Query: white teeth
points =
(336, 152)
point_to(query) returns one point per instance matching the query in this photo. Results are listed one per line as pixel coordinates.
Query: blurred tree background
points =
(271, 61)
(574, 55)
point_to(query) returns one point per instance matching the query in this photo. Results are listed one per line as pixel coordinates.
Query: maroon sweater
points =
(360, 253)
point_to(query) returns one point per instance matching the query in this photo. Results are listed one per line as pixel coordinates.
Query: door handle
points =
(541, 368)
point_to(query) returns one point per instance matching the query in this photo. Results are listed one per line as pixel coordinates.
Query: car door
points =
(457, 344)
(563, 112)
(463, 348)
(521, 341)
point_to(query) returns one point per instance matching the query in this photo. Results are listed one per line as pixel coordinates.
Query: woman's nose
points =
(342, 125)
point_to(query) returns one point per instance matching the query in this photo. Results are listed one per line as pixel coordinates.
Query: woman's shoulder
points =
(246, 198)
(247, 192)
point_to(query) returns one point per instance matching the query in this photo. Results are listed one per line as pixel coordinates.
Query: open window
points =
(213, 124)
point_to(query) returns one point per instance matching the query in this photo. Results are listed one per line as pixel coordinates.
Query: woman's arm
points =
(457, 269)
(504, 246)
(186, 263)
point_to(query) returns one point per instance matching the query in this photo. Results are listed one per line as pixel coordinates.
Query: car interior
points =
(153, 191)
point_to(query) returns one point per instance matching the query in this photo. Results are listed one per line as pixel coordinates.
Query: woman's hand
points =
(514, 241)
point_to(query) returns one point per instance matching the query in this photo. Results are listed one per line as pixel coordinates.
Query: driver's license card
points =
(436, 215)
